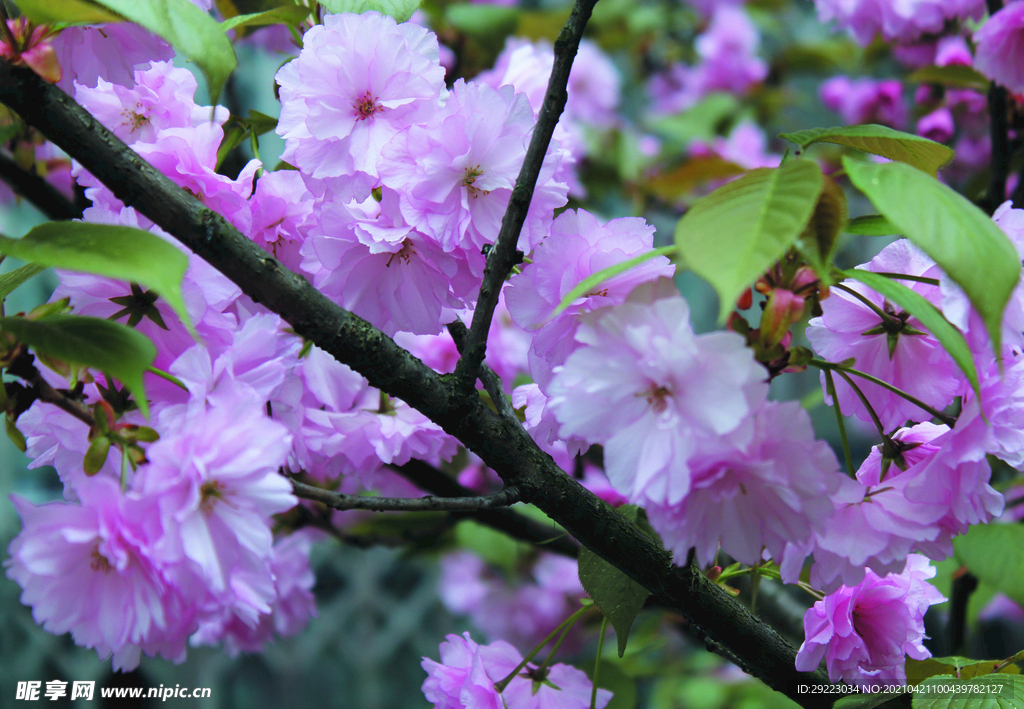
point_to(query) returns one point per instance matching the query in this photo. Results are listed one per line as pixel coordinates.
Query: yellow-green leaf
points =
(736, 233)
(924, 154)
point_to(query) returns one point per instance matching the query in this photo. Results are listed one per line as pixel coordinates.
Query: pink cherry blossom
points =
(579, 245)
(358, 80)
(653, 393)
(89, 569)
(162, 97)
(282, 215)
(466, 674)
(1000, 47)
(864, 632)
(369, 259)
(771, 489)
(456, 175)
(111, 52)
(843, 331)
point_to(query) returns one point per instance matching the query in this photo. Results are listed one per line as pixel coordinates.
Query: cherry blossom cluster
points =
(396, 190)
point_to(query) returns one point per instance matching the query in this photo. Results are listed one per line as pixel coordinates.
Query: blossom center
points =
(98, 561)
(210, 492)
(135, 117)
(366, 106)
(468, 181)
(657, 397)
(404, 254)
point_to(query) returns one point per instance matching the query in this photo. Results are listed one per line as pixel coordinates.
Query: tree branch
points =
(491, 381)
(502, 256)
(44, 196)
(341, 501)
(502, 444)
(427, 477)
(1000, 137)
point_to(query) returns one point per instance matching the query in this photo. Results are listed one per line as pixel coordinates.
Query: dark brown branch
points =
(341, 501)
(502, 444)
(1000, 136)
(502, 256)
(427, 477)
(46, 198)
(491, 381)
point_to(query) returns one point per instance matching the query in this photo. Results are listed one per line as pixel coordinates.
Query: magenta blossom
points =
(1000, 47)
(864, 632)
(865, 100)
(111, 52)
(90, 569)
(466, 674)
(900, 21)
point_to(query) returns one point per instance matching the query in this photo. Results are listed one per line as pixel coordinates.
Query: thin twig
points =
(865, 402)
(840, 423)
(341, 501)
(502, 255)
(427, 477)
(44, 196)
(999, 131)
(491, 381)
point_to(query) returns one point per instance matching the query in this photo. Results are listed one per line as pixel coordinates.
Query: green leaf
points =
(988, 692)
(995, 554)
(118, 252)
(920, 670)
(619, 597)
(948, 336)
(864, 701)
(958, 75)
(595, 279)
(960, 238)
(680, 181)
(96, 456)
(818, 241)
(110, 347)
(12, 279)
(191, 31)
(284, 15)
(16, 436)
(871, 225)
(482, 20)
(401, 10)
(261, 123)
(924, 154)
(733, 235)
(74, 12)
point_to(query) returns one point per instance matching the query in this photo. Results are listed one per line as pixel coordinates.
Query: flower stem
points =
(943, 417)
(864, 400)
(500, 686)
(597, 663)
(905, 277)
(886, 318)
(831, 386)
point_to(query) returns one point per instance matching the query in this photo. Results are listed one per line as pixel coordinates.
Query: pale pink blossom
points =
(1000, 47)
(654, 394)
